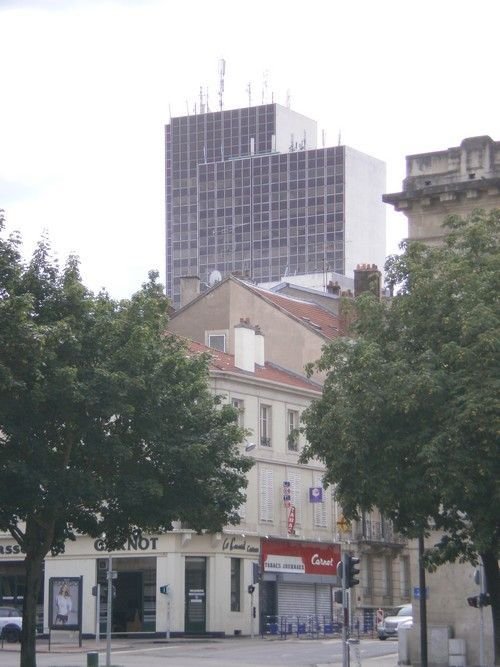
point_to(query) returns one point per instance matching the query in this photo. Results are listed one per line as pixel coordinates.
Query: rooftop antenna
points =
(265, 76)
(170, 112)
(202, 108)
(222, 72)
(323, 138)
(208, 108)
(249, 91)
(340, 137)
(288, 98)
(187, 107)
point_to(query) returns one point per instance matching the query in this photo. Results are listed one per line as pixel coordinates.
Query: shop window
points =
(235, 584)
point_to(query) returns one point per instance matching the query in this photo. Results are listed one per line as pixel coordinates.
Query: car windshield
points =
(405, 611)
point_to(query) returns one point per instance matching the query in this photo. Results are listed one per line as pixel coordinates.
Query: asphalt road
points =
(241, 652)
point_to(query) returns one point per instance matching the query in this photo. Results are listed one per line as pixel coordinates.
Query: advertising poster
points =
(65, 605)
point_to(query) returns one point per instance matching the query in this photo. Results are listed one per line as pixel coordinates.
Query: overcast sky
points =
(87, 87)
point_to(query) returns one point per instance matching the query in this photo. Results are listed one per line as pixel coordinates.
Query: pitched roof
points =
(222, 361)
(311, 314)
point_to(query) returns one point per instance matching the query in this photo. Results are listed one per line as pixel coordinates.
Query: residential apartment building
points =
(249, 192)
(295, 331)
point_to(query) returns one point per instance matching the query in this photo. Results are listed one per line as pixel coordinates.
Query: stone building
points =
(456, 180)
(437, 184)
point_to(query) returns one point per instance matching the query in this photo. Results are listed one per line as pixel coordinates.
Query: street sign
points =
(291, 520)
(287, 493)
(417, 593)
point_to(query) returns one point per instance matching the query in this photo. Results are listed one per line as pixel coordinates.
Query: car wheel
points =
(11, 635)
(382, 638)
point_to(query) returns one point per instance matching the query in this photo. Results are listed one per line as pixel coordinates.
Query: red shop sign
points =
(287, 556)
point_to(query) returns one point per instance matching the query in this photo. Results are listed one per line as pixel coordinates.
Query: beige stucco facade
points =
(290, 343)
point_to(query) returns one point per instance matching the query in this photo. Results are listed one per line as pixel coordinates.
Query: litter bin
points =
(93, 659)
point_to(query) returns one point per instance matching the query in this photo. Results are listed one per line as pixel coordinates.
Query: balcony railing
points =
(378, 532)
(265, 442)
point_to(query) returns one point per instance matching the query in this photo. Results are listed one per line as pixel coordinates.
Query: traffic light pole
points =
(98, 614)
(345, 610)
(109, 611)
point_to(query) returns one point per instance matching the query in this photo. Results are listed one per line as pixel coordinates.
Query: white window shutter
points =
(319, 509)
(266, 508)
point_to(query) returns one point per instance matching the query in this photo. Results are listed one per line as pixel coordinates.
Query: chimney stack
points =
(244, 345)
(367, 278)
(259, 346)
(190, 289)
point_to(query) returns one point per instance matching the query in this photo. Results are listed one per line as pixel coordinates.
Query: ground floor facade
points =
(179, 583)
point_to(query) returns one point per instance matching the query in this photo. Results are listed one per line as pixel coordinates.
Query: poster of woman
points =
(65, 603)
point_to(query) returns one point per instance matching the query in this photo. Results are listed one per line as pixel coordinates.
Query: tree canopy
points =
(409, 417)
(107, 423)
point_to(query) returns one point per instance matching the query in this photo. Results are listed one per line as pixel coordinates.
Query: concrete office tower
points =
(248, 192)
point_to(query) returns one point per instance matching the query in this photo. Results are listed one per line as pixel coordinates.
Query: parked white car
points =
(11, 623)
(391, 624)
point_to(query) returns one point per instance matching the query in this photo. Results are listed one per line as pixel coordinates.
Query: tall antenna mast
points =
(265, 76)
(249, 91)
(222, 72)
(202, 108)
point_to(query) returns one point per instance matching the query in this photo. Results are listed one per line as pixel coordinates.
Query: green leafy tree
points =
(409, 417)
(105, 421)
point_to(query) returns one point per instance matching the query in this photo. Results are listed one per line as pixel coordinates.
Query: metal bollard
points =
(354, 654)
(93, 659)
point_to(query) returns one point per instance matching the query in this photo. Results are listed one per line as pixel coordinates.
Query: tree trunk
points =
(37, 543)
(34, 570)
(492, 576)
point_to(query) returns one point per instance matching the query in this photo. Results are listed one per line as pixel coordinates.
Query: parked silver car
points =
(11, 623)
(391, 624)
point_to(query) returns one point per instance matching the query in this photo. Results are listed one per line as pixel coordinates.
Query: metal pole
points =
(109, 611)
(98, 615)
(251, 616)
(345, 609)
(423, 601)
(168, 616)
(482, 590)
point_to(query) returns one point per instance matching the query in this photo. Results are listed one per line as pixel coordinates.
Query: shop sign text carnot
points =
(134, 543)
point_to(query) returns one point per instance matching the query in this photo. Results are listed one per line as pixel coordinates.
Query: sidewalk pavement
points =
(382, 661)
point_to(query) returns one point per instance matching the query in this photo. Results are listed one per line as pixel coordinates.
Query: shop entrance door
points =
(127, 605)
(195, 595)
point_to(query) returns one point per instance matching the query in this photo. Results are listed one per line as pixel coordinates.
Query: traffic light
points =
(352, 571)
(477, 601)
(251, 589)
